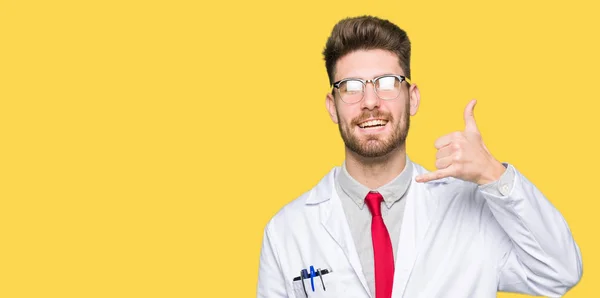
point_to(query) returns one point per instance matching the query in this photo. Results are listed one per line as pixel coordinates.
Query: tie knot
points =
(373, 201)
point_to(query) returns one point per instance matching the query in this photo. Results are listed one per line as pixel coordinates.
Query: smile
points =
(373, 123)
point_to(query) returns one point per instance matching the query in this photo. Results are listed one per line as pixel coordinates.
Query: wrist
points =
(492, 174)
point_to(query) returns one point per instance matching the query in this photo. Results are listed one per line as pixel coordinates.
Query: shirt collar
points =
(391, 192)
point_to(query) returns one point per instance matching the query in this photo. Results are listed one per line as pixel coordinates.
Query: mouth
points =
(372, 123)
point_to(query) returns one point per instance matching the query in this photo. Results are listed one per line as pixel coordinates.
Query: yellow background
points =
(145, 144)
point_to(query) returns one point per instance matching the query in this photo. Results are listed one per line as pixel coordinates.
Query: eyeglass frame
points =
(372, 81)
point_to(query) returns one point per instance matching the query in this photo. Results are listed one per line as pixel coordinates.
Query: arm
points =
(539, 255)
(270, 278)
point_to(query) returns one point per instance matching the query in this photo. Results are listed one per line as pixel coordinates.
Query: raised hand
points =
(463, 155)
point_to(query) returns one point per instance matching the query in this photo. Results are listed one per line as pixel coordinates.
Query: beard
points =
(375, 145)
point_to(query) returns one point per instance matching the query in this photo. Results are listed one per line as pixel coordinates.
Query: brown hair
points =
(366, 33)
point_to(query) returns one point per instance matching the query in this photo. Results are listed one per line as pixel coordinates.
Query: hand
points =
(463, 155)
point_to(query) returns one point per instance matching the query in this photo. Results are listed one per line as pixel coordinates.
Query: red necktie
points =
(382, 248)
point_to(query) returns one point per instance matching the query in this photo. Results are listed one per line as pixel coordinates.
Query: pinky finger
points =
(439, 174)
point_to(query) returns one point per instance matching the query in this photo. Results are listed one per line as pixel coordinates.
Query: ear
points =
(415, 99)
(331, 108)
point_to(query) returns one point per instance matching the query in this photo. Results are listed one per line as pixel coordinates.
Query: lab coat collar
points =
(323, 191)
(333, 219)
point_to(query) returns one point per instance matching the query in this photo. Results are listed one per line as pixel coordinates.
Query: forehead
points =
(367, 64)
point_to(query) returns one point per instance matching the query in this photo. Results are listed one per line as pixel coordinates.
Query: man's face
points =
(372, 127)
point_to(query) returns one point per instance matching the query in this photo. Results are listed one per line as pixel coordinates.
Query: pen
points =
(312, 275)
(303, 274)
(321, 276)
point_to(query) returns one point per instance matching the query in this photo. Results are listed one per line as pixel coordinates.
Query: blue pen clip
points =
(312, 275)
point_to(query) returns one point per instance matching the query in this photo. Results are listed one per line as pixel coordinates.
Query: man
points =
(382, 226)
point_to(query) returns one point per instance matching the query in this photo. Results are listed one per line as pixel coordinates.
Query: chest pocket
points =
(326, 287)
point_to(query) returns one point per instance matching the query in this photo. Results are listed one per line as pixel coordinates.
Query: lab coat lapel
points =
(419, 211)
(333, 219)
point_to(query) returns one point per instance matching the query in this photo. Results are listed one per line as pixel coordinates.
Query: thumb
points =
(470, 124)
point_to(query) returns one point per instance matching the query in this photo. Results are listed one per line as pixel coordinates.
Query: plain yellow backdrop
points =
(145, 144)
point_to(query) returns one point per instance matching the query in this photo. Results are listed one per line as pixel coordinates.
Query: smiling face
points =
(372, 127)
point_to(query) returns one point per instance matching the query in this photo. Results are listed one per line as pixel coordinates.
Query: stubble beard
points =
(374, 146)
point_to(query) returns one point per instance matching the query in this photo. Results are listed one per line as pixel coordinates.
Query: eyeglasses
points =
(387, 87)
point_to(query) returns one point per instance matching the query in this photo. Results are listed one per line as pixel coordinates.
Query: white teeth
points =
(372, 123)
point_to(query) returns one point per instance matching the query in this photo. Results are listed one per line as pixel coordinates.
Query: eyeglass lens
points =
(387, 88)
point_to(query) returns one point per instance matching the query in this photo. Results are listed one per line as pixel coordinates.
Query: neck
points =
(374, 172)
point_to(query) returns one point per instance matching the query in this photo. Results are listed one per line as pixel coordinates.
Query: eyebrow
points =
(379, 75)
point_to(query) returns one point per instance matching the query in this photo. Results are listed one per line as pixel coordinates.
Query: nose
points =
(370, 99)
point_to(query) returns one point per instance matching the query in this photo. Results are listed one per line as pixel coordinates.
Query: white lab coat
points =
(456, 241)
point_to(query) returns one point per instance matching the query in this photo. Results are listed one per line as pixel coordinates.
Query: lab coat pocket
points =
(306, 290)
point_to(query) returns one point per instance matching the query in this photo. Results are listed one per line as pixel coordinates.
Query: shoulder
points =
(460, 204)
(303, 206)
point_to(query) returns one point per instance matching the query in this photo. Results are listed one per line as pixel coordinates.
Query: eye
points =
(354, 86)
(387, 83)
